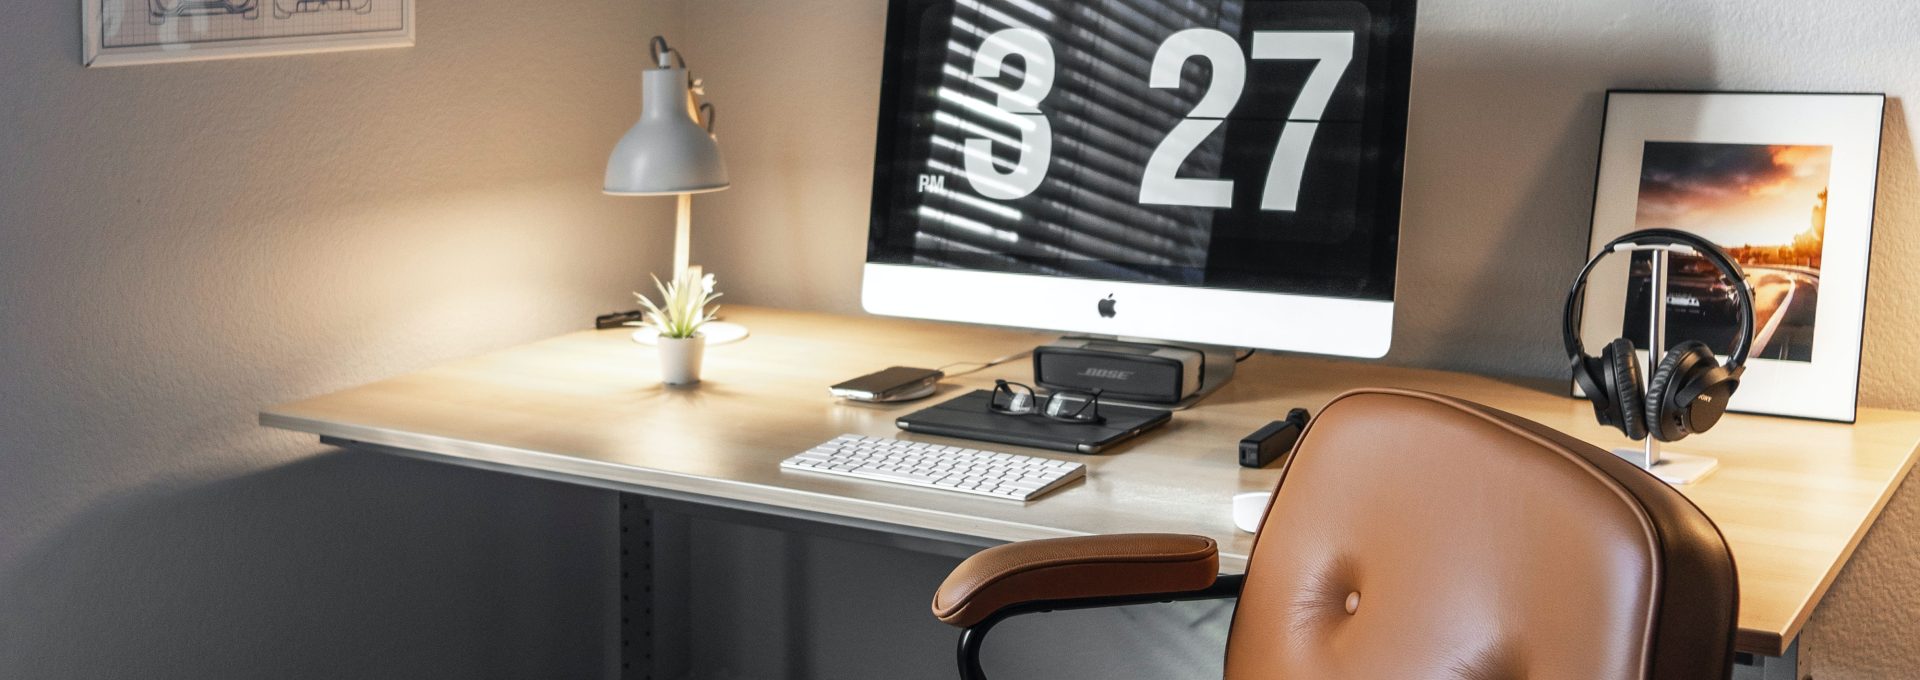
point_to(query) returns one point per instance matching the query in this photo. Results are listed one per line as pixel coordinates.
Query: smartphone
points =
(900, 383)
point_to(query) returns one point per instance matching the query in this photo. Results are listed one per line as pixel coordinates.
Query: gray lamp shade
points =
(667, 152)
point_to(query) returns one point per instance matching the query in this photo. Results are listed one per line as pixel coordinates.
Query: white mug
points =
(1250, 509)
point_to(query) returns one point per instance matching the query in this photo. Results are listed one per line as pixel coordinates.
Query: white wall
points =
(1505, 132)
(183, 245)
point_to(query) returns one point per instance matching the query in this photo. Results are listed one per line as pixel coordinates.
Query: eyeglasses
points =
(1015, 399)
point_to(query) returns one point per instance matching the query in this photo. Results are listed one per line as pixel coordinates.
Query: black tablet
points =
(967, 417)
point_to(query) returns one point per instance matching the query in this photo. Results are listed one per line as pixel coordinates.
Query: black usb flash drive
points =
(1261, 448)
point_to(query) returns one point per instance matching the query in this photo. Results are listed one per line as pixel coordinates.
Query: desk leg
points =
(657, 540)
(636, 585)
(1784, 667)
(652, 552)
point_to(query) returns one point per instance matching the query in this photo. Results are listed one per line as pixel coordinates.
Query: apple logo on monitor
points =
(1108, 308)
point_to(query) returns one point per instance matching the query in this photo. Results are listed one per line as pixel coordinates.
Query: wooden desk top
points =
(1793, 497)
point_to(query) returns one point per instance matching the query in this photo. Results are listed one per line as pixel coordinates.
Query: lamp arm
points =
(703, 113)
(661, 50)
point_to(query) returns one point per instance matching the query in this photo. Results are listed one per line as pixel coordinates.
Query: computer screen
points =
(1243, 146)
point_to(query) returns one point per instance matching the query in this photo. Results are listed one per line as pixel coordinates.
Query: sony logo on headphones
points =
(1106, 374)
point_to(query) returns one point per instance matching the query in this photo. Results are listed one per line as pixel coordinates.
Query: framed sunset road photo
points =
(1786, 184)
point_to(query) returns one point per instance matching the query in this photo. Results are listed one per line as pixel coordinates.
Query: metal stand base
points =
(1678, 469)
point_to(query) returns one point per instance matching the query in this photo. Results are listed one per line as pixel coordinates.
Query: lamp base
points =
(717, 333)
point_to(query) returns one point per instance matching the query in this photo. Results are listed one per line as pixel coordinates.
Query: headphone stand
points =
(1679, 469)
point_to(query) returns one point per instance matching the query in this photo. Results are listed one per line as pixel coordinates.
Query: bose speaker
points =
(1124, 371)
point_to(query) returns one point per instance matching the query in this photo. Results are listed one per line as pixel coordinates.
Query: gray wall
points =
(1506, 127)
(182, 245)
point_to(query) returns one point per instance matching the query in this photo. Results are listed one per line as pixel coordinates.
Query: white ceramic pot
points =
(680, 359)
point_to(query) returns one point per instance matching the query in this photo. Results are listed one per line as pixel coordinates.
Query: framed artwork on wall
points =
(1786, 184)
(129, 32)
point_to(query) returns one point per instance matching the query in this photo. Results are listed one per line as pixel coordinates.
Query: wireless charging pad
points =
(909, 395)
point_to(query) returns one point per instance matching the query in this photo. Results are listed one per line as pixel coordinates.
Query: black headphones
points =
(1689, 391)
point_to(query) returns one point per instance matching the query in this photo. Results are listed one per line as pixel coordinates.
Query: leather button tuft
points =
(1353, 602)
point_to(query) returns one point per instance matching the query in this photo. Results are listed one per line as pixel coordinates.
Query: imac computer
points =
(1216, 172)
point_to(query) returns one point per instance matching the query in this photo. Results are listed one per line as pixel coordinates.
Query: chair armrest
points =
(1077, 568)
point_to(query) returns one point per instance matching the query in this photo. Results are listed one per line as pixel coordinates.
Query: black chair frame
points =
(974, 637)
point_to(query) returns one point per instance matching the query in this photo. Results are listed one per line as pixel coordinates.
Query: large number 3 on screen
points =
(1162, 186)
(1019, 107)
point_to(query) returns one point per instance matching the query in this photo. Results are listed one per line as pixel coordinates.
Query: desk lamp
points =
(672, 152)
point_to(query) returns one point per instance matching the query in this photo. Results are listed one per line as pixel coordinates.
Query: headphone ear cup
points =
(1666, 419)
(1621, 364)
(1587, 374)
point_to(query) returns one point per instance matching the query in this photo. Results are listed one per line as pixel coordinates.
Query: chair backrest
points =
(1419, 536)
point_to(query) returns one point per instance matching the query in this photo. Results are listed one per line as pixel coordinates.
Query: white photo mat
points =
(134, 32)
(1826, 387)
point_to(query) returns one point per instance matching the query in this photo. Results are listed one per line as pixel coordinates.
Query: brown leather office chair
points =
(1416, 536)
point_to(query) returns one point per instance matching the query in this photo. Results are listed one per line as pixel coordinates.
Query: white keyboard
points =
(933, 466)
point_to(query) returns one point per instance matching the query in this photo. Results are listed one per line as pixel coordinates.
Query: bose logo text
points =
(1106, 373)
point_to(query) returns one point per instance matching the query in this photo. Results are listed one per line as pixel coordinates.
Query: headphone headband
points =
(1570, 330)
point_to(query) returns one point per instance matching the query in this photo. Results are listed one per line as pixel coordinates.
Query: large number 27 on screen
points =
(1333, 52)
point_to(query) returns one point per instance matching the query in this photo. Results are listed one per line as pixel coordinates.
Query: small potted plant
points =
(682, 311)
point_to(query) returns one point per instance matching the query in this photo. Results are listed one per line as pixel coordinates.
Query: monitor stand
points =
(1218, 368)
